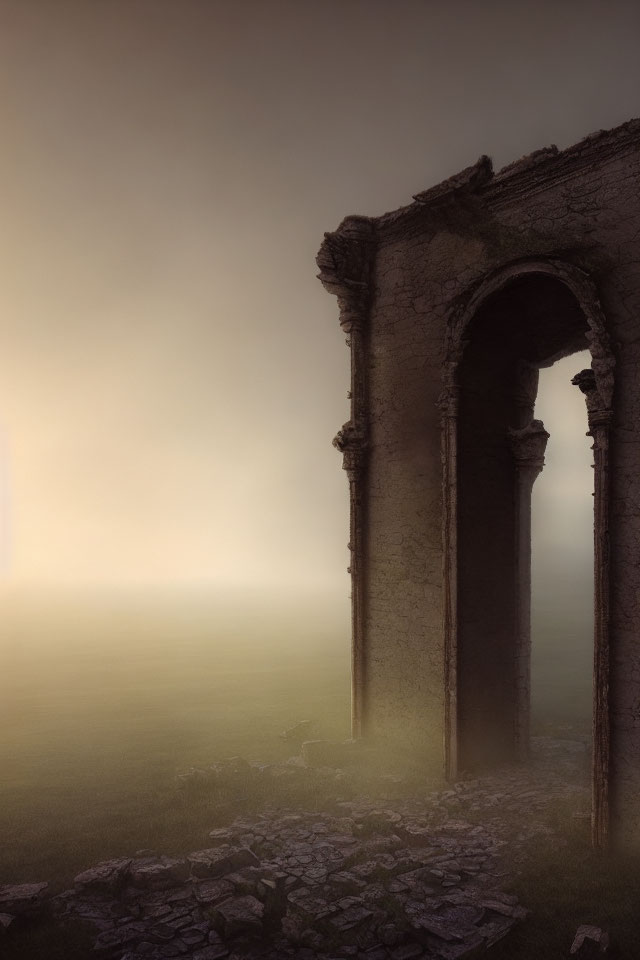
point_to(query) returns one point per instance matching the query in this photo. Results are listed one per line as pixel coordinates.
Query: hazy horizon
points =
(172, 370)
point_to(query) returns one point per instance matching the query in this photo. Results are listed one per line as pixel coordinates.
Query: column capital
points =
(599, 410)
(351, 440)
(528, 445)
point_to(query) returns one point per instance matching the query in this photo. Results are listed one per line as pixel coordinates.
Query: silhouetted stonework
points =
(451, 306)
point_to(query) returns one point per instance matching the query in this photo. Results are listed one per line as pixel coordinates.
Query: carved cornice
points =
(465, 182)
(345, 260)
(522, 178)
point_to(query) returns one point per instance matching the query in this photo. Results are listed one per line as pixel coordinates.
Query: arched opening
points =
(528, 323)
(524, 316)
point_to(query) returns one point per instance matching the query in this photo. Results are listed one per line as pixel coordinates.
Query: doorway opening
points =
(562, 625)
(528, 324)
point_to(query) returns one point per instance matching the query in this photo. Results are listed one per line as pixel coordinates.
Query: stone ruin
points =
(451, 305)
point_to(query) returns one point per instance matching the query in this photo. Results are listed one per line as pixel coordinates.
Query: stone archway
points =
(409, 285)
(524, 316)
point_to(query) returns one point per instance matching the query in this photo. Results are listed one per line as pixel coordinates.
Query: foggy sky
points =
(172, 372)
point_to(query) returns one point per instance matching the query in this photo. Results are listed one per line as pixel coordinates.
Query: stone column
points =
(352, 442)
(599, 415)
(449, 403)
(528, 446)
(345, 260)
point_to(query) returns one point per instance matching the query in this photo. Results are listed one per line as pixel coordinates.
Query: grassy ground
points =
(94, 728)
(567, 886)
(100, 708)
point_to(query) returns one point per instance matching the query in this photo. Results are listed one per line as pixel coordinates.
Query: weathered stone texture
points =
(435, 488)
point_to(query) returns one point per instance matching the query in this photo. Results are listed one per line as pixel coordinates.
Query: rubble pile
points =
(402, 879)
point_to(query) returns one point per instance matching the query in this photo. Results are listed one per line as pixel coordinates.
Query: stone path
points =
(400, 879)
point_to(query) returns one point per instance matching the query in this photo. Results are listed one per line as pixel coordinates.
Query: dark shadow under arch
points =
(520, 319)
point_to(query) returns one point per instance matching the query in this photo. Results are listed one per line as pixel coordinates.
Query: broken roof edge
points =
(480, 177)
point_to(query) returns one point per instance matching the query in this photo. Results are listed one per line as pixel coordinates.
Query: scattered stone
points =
(22, 898)
(212, 891)
(298, 732)
(496, 929)
(109, 875)
(112, 940)
(352, 921)
(239, 917)
(157, 872)
(375, 879)
(590, 942)
(218, 861)
(506, 909)
(222, 835)
(5, 922)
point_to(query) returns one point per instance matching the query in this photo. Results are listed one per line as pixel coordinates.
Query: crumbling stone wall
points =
(430, 296)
